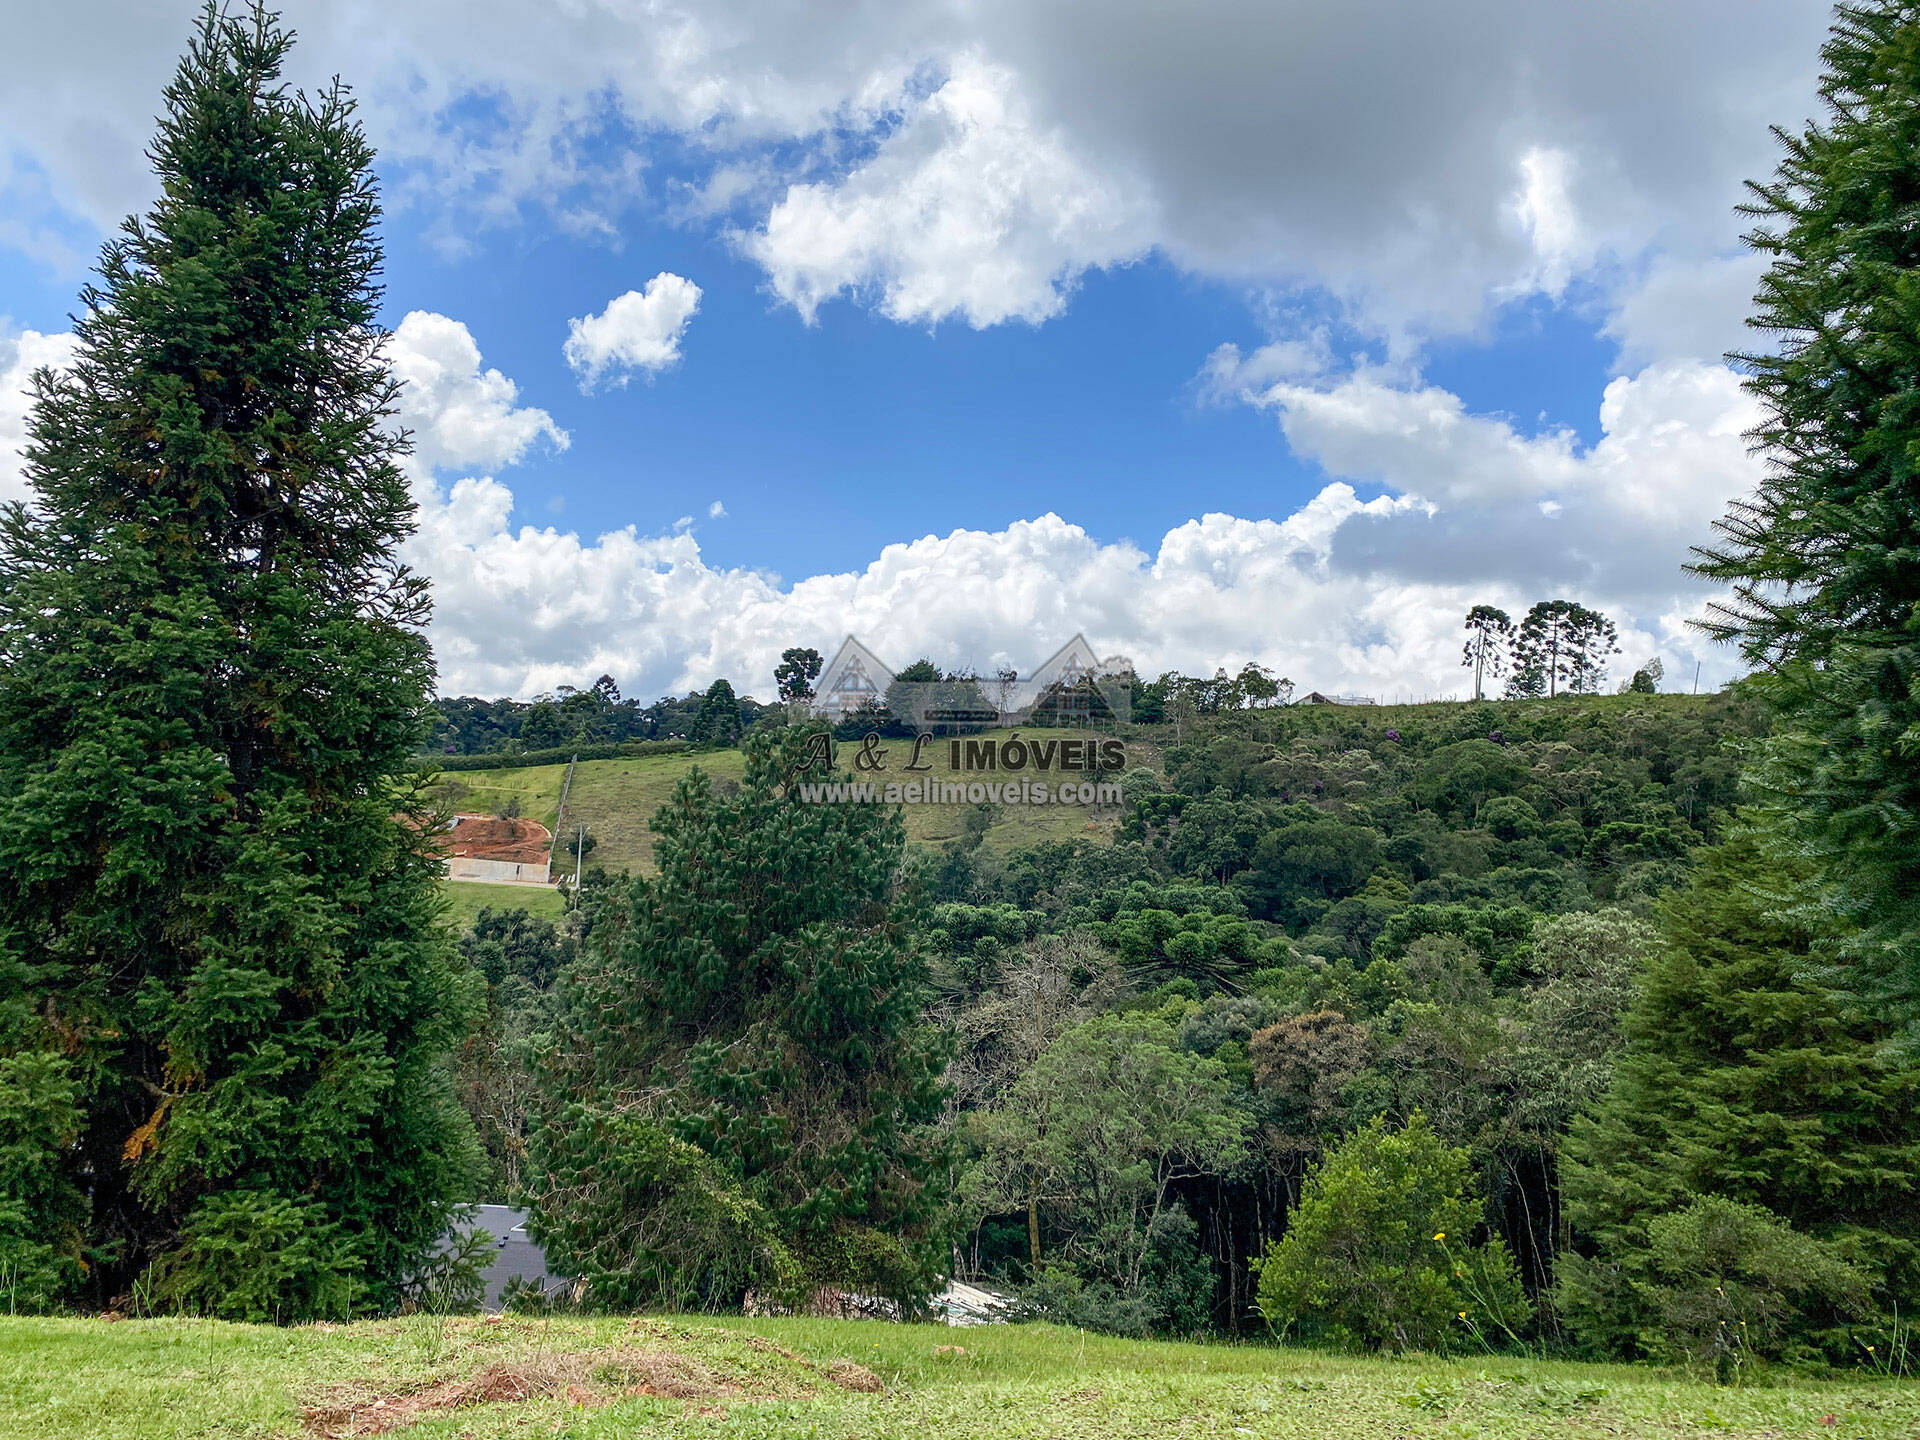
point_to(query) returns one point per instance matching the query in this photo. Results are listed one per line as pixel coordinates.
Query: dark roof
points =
(514, 1253)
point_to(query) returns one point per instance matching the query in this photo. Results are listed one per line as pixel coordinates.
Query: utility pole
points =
(580, 858)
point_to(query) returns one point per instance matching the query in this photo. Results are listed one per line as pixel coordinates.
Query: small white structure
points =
(499, 872)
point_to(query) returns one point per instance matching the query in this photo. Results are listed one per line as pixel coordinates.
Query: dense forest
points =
(1317, 927)
(571, 719)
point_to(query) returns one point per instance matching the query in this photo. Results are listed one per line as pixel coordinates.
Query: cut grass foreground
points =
(424, 1376)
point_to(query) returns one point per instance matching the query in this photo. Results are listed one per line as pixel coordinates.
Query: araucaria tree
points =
(1489, 635)
(718, 722)
(1824, 560)
(793, 677)
(1561, 645)
(742, 1086)
(221, 968)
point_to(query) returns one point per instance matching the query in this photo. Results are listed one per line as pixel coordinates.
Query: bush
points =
(1173, 1297)
(1733, 1285)
(1376, 1251)
(670, 1229)
(453, 1281)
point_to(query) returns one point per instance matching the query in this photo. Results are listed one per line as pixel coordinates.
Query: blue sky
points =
(1275, 335)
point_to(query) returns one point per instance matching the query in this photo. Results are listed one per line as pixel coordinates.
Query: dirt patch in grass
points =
(489, 837)
(849, 1376)
(590, 1378)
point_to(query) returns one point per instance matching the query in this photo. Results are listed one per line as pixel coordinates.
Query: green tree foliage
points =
(590, 720)
(222, 906)
(1098, 1134)
(719, 721)
(793, 677)
(1824, 561)
(519, 957)
(1489, 640)
(1377, 1253)
(1302, 1066)
(741, 1080)
(1743, 1079)
(1730, 1285)
(1562, 645)
(43, 1211)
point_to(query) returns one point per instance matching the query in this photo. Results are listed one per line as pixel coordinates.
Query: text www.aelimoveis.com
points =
(962, 792)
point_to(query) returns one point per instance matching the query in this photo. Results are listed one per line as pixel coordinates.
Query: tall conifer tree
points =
(1742, 1078)
(221, 923)
(1824, 560)
(742, 1083)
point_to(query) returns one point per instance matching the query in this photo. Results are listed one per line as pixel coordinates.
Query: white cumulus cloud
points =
(969, 209)
(460, 413)
(640, 330)
(1345, 592)
(20, 356)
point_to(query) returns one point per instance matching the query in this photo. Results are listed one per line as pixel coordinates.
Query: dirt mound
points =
(593, 1378)
(849, 1376)
(491, 837)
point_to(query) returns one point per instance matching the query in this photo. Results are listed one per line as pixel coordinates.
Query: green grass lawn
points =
(617, 799)
(774, 1379)
(466, 899)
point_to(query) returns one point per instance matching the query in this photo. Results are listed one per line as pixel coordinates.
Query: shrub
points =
(1732, 1284)
(670, 1229)
(453, 1280)
(1375, 1252)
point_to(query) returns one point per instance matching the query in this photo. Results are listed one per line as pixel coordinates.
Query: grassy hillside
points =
(466, 899)
(616, 800)
(424, 1376)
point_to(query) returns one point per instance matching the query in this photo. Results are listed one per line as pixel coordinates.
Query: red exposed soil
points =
(486, 837)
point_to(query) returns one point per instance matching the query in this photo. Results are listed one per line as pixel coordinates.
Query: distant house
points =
(1314, 697)
(1072, 663)
(854, 679)
(515, 1254)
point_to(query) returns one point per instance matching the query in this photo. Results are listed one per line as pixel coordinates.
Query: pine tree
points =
(1489, 638)
(1824, 561)
(1741, 1079)
(741, 1085)
(1560, 644)
(222, 910)
(718, 721)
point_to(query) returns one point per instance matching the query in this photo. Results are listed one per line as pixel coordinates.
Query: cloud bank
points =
(1417, 163)
(1344, 593)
